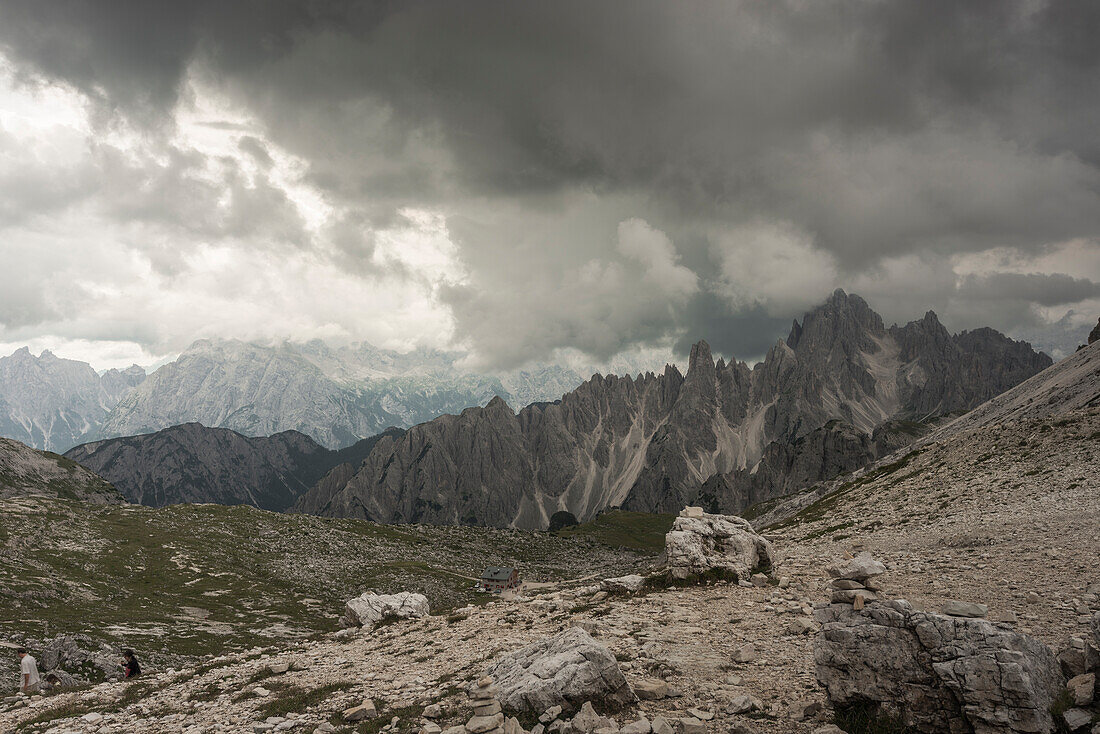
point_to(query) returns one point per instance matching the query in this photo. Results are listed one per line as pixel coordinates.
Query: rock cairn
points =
(855, 580)
(488, 717)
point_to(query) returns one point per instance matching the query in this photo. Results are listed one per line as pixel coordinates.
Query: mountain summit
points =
(649, 443)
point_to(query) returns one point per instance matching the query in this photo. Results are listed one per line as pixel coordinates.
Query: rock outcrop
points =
(622, 584)
(564, 670)
(648, 443)
(192, 463)
(700, 543)
(938, 673)
(369, 609)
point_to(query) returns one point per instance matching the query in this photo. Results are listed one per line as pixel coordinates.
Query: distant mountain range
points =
(49, 403)
(192, 463)
(336, 396)
(652, 443)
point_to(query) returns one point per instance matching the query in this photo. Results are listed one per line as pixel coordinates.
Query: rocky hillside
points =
(650, 443)
(192, 463)
(28, 472)
(1056, 398)
(49, 403)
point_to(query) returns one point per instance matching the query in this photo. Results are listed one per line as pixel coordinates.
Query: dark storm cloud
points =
(915, 127)
(1045, 290)
(744, 335)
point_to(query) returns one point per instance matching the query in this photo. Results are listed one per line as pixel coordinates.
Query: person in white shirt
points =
(29, 681)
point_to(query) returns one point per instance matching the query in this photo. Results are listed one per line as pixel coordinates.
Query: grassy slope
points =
(632, 530)
(125, 574)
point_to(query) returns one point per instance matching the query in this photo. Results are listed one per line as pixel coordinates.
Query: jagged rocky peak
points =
(651, 443)
(50, 402)
(1095, 333)
(843, 316)
(700, 358)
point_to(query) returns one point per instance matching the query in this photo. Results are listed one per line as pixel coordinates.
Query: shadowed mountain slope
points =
(191, 463)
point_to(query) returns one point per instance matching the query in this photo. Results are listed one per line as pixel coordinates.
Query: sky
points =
(521, 180)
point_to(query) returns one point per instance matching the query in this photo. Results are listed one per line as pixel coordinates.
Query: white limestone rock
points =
(940, 673)
(725, 543)
(565, 670)
(370, 609)
(623, 584)
(860, 568)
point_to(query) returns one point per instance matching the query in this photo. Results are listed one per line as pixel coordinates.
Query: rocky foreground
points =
(974, 610)
(1011, 536)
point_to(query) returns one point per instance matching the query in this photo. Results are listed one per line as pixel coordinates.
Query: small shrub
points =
(869, 718)
(207, 693)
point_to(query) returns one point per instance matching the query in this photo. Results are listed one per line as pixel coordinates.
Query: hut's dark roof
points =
(496, 573)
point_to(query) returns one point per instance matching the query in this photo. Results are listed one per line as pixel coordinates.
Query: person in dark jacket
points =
(130, 663)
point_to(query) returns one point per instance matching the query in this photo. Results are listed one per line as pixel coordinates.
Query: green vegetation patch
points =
(189, 581)
(294, 699)
(639, 531)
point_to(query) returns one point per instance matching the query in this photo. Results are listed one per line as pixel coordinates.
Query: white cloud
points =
(775, 266)
(134, 246)
(601, 306)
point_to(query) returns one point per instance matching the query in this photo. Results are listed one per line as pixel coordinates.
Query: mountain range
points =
(841, 391)
(650, 443)
(336, 396)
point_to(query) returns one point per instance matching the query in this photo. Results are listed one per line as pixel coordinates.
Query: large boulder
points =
(939, 673)
(564, 670)
(700, 543)
(622, 584)
(370, 609)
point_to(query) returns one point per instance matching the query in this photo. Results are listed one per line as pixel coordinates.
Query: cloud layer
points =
(518, 178)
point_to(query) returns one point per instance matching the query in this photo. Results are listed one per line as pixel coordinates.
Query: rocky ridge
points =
(650, 443)
(337, 396)
(26, 472)
(193, 463)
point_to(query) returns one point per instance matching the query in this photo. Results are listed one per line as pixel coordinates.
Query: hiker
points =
(51, 682)
(133, 670)
(29, 682)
